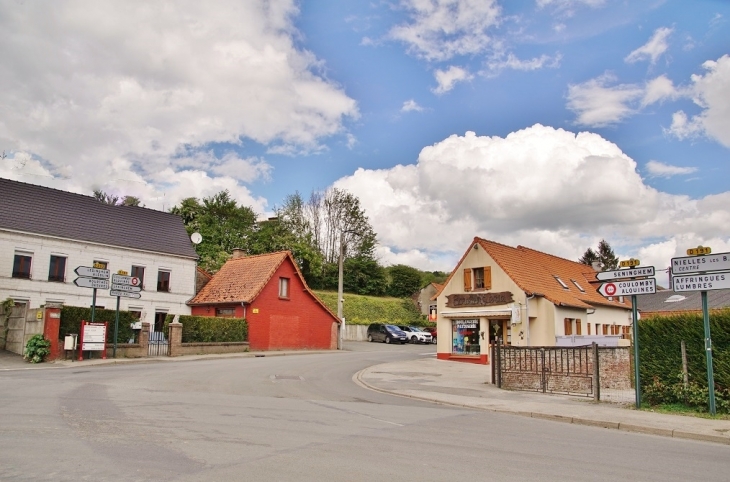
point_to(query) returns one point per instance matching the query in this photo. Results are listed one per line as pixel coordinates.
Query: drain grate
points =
(286, 377)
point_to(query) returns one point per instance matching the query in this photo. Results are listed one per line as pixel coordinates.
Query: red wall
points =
(298, 322)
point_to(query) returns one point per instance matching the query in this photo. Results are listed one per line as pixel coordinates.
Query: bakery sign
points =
(479, 299)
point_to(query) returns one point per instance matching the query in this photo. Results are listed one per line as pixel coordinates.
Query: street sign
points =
(102, 284)
(699, 264)
(118, 279)
(702, 282)
(698, 251)
(92, 272)
(125, 294)
(131, 289)
(625, 273)
(630, 263)
(628, 287)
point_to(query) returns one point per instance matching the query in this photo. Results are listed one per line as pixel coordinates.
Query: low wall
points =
(209, 348)
(127, 350)
(355, 332)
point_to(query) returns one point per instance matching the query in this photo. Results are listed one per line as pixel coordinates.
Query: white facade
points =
(38, 290)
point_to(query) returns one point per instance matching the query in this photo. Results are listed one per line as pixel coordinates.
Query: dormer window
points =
(562, 283)
(578, 286)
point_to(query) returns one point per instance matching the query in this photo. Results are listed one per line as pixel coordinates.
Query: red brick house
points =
(270, 292)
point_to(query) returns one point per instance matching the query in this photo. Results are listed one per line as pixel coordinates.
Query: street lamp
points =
(340, 299)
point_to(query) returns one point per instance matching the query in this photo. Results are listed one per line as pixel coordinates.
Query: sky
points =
(550, 124)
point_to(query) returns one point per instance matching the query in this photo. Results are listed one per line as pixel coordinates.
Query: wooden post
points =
(685, 375)
(596, 374)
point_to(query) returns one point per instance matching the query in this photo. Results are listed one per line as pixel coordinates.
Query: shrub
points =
(37, 349)
(207, 329)
(693, 395)
(72, 316)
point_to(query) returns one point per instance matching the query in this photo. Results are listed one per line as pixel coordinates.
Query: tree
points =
(604, 255)
(404, 281)
(105, 198)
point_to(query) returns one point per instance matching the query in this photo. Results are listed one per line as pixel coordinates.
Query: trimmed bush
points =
(363, 310)
(207, 329)
(72, 316)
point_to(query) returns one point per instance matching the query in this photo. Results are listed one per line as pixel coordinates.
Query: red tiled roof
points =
(241, 280)
(535, 272)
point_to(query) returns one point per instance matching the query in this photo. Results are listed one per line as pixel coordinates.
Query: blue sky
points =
(547, 123)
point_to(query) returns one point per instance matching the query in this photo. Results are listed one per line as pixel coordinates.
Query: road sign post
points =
(92, 277)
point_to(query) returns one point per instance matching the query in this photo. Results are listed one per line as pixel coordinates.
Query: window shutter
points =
(487, 277)
(577, 327)
(568, 327)
(588, 325)
(467, 279)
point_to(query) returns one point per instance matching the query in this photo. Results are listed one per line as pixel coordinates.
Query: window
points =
(138, 272)
(225, 312)
(605, 329)
(21, 265)
(478, 278)
(283, 287)
(578, 286)
(101, 264)
(465, 337)
(467, 279)
(163, 280)
(57, 269)
(562, 283)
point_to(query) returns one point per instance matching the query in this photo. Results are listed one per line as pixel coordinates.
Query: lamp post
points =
(340, 299)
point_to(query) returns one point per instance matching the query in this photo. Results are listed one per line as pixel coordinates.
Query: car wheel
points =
(433, 340)
(413, 339)
(387, 339)
(370, 338)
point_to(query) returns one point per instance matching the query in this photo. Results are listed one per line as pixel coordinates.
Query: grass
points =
(363, 310)
(678, 409)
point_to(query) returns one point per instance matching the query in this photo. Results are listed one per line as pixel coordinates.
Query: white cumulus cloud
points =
(447, 79)
(597, 103)
(653, 49)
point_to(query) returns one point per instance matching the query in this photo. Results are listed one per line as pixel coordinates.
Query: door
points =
(16, 328)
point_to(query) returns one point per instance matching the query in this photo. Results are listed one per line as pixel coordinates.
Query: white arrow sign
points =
(92, 272)
(102, 284)
(699, 264)
(131, 289)
(628, 288)
(625, 273)
(119, 279)
(125, 294)
(702, 282)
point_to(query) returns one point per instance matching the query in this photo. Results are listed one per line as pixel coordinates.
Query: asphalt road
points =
(300, 417)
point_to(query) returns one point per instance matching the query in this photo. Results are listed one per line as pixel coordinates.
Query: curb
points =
(625, 427)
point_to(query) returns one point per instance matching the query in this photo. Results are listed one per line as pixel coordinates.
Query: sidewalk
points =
(464, 385)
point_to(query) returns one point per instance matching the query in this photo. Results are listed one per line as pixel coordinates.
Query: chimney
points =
(238, 253)
(596, 265)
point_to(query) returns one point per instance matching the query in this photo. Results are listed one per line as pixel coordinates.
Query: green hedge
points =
(660, 354)
(363, 310)
(72, 316)
(207, 329)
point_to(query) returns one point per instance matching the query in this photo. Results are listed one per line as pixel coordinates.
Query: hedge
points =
(363, 310)
(72, 316)
(208, 329)
(660, 354)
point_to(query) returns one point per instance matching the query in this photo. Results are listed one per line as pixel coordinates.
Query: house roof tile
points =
(41, 210)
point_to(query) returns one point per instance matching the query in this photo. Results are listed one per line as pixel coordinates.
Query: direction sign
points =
(118, 279)
(699, 264)
(92, 272)
(125, 294)
(131, 289)
(625, 273)
(702, 282)
(102, 284)
(629, 287)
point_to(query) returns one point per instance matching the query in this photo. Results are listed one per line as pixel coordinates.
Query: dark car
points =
(432, 330)
(386, 333)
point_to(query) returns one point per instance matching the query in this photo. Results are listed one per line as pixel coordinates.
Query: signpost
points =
(127, 287)
(92, 277)
(93, 338)
(625, 283)
(712, 272)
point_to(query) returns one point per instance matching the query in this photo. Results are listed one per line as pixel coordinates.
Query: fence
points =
(603, 373)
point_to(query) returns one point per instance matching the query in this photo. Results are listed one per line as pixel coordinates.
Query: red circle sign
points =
(610, 289)
(135, 281)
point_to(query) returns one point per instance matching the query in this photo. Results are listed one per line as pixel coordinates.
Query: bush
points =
(37, 349)
(207, 329)
(693, 396)
(72, 316)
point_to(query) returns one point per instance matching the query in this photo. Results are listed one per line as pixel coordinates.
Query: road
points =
(300, 417)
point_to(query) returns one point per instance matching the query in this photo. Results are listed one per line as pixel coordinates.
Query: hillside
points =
(363, 310)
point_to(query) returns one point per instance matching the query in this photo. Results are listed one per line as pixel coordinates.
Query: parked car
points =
(432, 330)
(415, 334)
(386, 333)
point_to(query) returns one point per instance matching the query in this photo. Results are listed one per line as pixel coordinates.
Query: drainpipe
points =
(527, 315)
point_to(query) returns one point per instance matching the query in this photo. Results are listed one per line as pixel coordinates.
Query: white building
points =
(45, 234)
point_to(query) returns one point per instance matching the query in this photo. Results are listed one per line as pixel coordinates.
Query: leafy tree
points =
(404, 281)
(428, 277)
(604, 254)
(114, 200)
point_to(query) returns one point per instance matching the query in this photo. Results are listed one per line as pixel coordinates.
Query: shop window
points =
(138, 272)
(21, 265)
(163, 281)
(465, 337)
(225, 312)
(284, 288)
(57, 269)
(467, 279)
